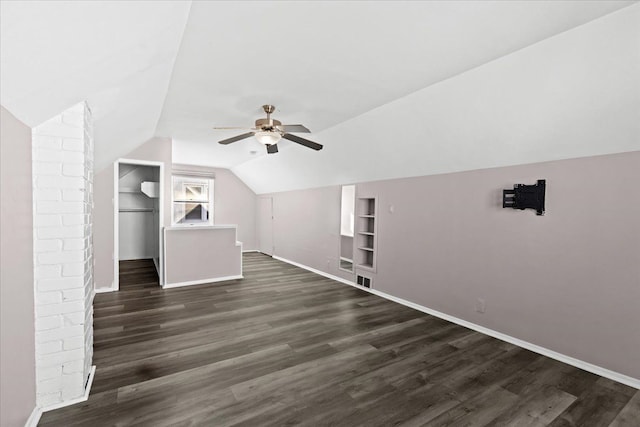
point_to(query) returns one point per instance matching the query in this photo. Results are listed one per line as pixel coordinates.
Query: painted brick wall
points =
(63, 254)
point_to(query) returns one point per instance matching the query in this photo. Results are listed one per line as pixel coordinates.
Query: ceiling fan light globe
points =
(268, 138)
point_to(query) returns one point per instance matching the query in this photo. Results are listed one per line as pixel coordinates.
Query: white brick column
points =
(63, 255)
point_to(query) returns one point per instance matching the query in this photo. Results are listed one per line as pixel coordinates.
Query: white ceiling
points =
(116, 55)
(344, 69)
(574, 95)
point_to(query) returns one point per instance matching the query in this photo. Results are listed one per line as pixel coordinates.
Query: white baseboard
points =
(201, 282)
(250, 250)
(598, 370)
(313, 270)
(34, 418)
(80, 399)
(104, 290)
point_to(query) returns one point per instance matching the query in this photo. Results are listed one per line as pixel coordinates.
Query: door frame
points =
(116, 222)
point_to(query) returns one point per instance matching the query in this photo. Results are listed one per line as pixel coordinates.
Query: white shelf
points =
(150, 189)
(366, 240)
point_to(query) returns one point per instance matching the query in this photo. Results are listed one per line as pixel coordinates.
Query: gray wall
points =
(156, 149)
(234, 203)
(17, 358)
(196, 254)
(568, 281)
(306, 228)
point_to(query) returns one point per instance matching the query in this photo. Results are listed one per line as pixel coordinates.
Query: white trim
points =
(104, 290)
(313, 270)
(155, 263)
(80, 399)
(598, 370)
(116, 201)
(250, 250)
(201, 281)
(352, 271)
(161, 203)
(210, 202)
(34, 418)
(116, 224)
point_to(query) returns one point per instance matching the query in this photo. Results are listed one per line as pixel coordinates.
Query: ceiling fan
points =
(269, 131)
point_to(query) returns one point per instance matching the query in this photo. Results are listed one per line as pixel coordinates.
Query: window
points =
(192, 200)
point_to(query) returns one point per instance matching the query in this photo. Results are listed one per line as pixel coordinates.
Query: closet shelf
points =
(150, 189)
(367, 216)
(366, 233)
(366, 249)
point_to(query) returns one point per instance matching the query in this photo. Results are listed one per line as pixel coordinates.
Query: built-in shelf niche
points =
(366, 242)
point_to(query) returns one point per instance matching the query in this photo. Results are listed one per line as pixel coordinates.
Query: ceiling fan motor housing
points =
(267, 124)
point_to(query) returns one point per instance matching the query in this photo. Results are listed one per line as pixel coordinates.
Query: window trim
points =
(210, 181)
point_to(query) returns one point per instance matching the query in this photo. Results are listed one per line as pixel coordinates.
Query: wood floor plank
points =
(629, 416)
(596, 406)
(537, 410)
(284, 346)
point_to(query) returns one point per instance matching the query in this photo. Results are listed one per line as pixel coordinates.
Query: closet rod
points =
(135, 210)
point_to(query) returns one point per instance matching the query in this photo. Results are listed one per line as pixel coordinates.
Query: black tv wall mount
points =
(525, 197)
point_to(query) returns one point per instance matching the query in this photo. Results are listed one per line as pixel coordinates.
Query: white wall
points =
(63, 254)
(17, 349)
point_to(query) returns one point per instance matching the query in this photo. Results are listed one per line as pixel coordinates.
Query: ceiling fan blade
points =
(272, 149)
(230, 127)
(302, 141)
(236, 138)
(293, 128)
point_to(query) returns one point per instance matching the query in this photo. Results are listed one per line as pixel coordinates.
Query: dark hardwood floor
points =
(285, 347)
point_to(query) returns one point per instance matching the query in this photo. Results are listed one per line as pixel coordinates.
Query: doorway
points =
(138, 211)
(265, 225)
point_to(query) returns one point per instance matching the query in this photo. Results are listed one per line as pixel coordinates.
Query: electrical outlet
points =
(480, 305)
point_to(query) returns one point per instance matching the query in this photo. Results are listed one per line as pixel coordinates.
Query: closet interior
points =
(139, 213)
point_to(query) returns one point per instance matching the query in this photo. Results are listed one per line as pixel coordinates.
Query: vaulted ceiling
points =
(390, 88)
